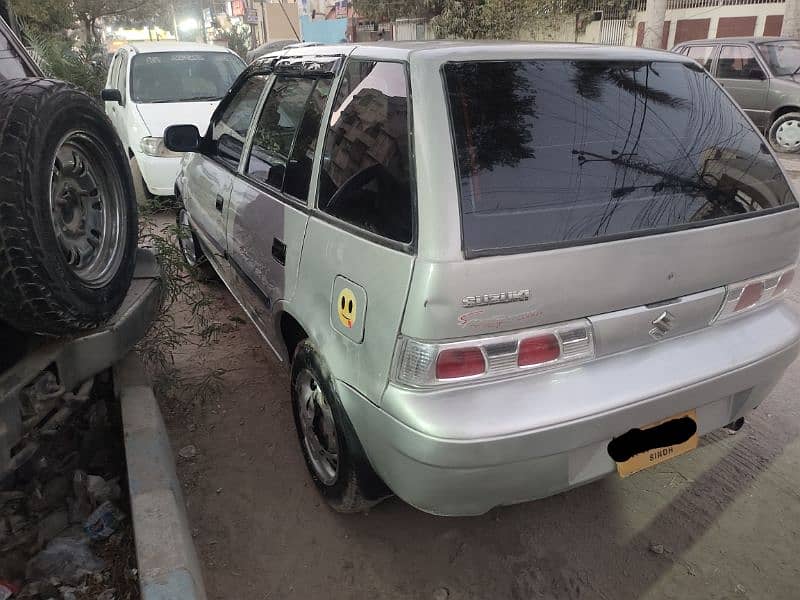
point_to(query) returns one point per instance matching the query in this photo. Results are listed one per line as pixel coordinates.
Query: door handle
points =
(279, 251)
(219, 202)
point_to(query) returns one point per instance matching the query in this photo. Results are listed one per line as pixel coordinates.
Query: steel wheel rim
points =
(318, 428)
(87, 209)
(186, 240)
(788, 134)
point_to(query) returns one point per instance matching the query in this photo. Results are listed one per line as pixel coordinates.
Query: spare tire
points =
(68, 222)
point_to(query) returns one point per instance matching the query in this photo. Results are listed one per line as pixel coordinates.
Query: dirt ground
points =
(720, 522)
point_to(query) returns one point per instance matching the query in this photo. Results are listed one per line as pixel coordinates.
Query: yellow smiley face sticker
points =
(346, 306)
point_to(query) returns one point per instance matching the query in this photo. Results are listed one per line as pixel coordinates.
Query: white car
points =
(155, 84)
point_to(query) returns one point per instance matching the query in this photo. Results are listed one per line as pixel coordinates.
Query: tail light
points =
(747, 295)
(457, 363)
(426, 364)
(538, 350)
(785, 282)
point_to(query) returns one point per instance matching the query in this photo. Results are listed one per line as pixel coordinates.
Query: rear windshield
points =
(557, 152)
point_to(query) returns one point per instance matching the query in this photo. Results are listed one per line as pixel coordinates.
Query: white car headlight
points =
(154, 146)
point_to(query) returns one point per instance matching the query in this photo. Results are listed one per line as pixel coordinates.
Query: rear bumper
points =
(446, 452)
(159, 173)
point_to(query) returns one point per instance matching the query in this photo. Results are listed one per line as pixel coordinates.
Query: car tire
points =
(143, 195)
(191, 250)
(784, 133)
(68, 222)
(352, 486)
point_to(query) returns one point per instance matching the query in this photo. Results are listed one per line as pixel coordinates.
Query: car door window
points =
(702, 54)
(298, 172)
(365, 176)
(229, 129)
(738, 62)
(275, 132)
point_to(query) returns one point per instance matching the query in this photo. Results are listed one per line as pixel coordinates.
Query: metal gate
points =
(612, 31)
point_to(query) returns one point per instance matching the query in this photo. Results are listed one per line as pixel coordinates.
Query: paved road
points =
(721, 522)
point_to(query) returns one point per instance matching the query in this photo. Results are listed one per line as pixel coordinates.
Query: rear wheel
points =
(68, 222)
(784, 133)
(333, 454)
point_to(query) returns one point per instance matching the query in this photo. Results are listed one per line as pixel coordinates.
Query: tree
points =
(89, 12)
(468, 19)
(388, 10)
(237, 38)
(44, 15)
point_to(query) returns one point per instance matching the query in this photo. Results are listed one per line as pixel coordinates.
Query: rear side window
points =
(702, 54)
(229, 130)
(365, 177)
(579, 151)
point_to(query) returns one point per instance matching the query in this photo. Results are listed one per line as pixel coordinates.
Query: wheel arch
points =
(292, 332)
(779, 112)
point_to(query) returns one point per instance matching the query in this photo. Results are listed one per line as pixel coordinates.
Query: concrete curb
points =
(168, 565)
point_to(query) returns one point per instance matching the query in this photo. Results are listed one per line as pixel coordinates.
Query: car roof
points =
(445, 50)
(740, 40)
(150, 47)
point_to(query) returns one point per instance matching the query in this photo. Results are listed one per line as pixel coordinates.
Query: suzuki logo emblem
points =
(662, 325)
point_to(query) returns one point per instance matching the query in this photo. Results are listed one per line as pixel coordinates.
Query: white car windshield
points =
(783, 56)
(183, 76)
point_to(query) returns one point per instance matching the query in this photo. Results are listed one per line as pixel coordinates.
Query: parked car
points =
(484, 297)
(153, 84)
(68, 224)
(761, 73)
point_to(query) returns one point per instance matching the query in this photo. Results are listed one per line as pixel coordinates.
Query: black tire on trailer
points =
(68, 219)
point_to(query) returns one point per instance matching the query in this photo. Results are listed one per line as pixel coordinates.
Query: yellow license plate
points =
(653, 443)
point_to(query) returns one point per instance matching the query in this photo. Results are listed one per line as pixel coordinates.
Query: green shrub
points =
(59, 58)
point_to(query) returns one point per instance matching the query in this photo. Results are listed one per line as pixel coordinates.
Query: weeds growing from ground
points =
(183, 296)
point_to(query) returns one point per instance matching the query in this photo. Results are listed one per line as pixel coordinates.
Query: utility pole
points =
(654, 15)
(264, 20)
(791, 19)
(203, 21)
(175, 23)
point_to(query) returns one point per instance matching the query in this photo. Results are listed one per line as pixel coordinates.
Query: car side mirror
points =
(111, 95)
(182, 138)
(757, 74)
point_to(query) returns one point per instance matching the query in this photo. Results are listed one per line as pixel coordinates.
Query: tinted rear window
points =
(556, 152)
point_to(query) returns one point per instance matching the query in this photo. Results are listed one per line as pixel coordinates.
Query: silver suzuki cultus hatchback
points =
(496, 271)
